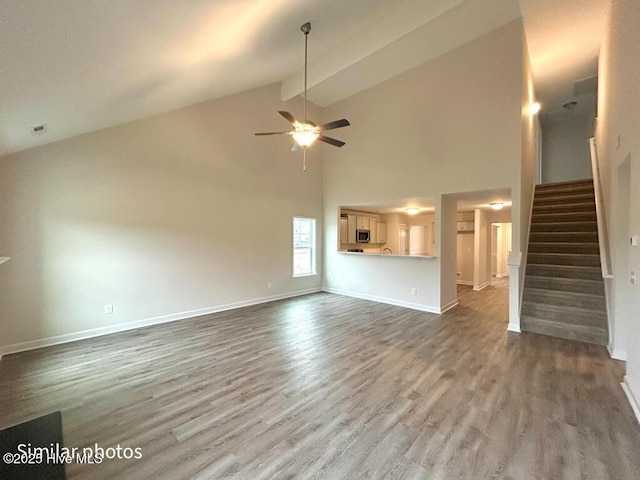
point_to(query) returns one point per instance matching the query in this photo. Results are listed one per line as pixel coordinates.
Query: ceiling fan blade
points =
(331, 141)
(292, 120)
(274, 133)
(335, 124)
(295, 147)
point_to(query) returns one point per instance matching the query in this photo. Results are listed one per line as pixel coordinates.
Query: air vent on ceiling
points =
(39, 129)
(588, 85)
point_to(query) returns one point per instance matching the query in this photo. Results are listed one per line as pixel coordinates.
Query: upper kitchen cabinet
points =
(373, 227)
(381, 232)
(351, 228)
(344, 229)
(364, 223)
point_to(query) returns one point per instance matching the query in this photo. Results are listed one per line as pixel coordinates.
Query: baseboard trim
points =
(617, 354)
(389, 301)
(147, 322)
(481, 287)
(449, 306)
(513, 327)
(464, 282)
(633, 401)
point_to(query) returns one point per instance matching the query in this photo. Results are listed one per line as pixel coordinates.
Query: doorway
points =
(500, 248)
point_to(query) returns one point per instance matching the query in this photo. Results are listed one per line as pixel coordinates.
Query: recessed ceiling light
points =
(496, 205)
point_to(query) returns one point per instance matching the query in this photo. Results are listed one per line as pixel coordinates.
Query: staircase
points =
(563, 287)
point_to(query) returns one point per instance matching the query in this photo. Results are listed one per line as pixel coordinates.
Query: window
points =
(304, 246)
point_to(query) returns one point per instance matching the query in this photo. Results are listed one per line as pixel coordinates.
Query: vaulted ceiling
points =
(78, 66)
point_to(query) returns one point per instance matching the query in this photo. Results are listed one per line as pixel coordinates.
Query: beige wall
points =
(450, 125)
(619, 117)
(179, 213)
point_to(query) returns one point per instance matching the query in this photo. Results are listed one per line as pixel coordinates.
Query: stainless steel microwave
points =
(363, 236)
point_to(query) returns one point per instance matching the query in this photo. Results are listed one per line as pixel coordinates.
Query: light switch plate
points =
(634, 240)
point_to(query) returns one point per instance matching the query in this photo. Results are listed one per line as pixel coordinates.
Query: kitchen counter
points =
(394, 255)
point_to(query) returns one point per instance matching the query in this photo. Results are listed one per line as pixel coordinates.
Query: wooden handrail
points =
(603, 237)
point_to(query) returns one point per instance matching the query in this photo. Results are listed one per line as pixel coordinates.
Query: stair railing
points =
(603, 237)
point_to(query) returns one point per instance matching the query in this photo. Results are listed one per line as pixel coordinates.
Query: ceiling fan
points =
(306, 132)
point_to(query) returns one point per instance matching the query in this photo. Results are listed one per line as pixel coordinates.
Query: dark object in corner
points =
(45, 431)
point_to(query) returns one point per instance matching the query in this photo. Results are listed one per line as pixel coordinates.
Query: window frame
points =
(313, 246)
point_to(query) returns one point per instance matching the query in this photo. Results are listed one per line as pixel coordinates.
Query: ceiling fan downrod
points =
(305, 133)
(306, 28)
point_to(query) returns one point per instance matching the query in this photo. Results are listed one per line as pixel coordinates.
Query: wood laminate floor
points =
(331, 387)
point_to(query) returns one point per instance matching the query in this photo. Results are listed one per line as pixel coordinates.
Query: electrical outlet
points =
(414, 291)
(108, 309)
(269, 284)
(632, 277)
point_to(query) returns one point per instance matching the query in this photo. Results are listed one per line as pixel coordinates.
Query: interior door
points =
(402, 239)
(495, 238)
(417, 239)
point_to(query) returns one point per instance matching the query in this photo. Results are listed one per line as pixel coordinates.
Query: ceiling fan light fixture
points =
(305, 135)
(535, 108)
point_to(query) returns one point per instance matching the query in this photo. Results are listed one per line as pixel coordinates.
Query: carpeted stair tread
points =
(588, 334)
(595, 301)
(575, 259)
(566, 227)
(560, 217)
(570, 237)
(565, 314)
(564, 183)
(558, 197)
(565, 271)
(588, 206)
(579, 285)
(564, 247)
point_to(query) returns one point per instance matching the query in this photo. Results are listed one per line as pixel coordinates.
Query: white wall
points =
(502, 248)
(451, 125)
(482, 251)
(618, 118)
(179, 213)
(565, 148)
(465, 250)
(465, 260)
(521, 213)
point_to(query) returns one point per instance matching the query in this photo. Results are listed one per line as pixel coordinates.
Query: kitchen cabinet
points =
(381, 232)
(373, 228)
(363, 222)
(352, 225)
(343, 229)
